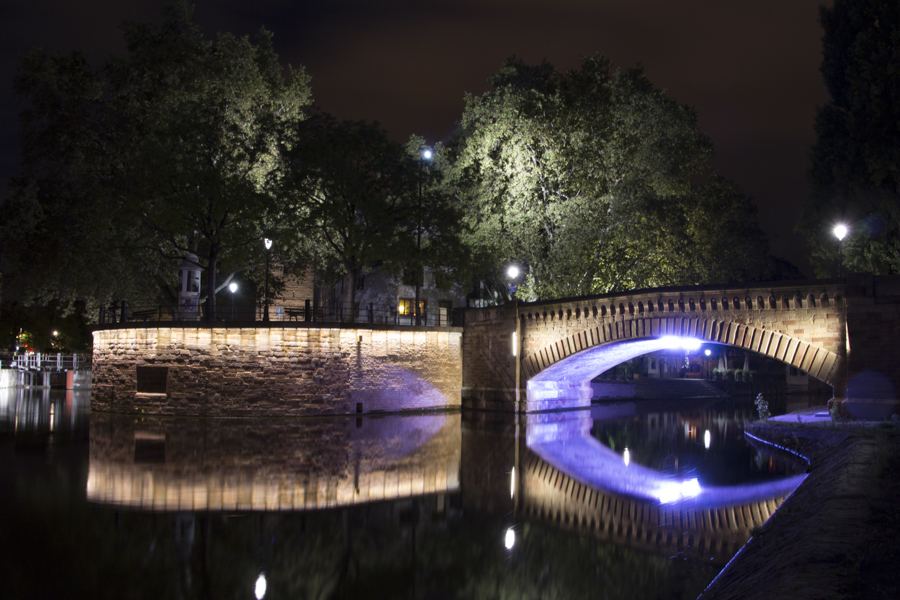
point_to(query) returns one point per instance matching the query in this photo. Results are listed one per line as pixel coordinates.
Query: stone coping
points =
(270, 325)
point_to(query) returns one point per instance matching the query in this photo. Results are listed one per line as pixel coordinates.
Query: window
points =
(409, 277)
(152, 380)
(445, 309)
(405, 307)
(443, 280)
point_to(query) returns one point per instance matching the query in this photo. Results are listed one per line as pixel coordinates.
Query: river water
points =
(440, 505)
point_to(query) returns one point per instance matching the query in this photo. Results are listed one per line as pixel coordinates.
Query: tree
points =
(61, 228)
(177, 143)
(349, 195)
(855, 162)
(589, 178)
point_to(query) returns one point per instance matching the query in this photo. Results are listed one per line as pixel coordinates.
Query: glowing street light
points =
(512, 273)
(840, 232)
(426, 156)
(260, 589)
(510, 539)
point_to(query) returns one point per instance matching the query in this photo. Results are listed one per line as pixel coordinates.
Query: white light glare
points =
(513, 272)
(707, 352)
(686, 343)
(233, 287)
(626, 456)
(510, 540)
(515, 344)
(706, 439)
(512, 483)
(673, 491)
(840, 231)
(260, 589)
(426, 154)
(267, 242)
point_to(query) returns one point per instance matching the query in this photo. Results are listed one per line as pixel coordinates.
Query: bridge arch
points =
(558, 374)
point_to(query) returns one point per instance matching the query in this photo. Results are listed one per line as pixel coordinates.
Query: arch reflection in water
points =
(571, 479)
(266, 465)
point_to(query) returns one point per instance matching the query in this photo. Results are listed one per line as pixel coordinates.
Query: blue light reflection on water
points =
(421, 543)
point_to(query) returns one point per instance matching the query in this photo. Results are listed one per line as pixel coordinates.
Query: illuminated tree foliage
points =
(163, 153)
(855, 170)
(591, 179)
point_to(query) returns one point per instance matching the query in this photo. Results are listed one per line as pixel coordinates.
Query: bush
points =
(762, 407)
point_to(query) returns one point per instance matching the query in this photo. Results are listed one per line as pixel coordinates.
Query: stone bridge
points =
(542, 356)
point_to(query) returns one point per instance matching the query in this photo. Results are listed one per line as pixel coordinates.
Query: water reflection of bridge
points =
(551, 496)
(566, 479)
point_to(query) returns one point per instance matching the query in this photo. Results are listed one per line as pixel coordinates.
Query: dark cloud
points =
(750, 69)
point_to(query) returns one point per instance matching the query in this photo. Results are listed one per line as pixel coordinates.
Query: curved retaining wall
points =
(283, 370)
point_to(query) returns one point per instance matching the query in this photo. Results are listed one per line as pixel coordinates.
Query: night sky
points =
(750, 69)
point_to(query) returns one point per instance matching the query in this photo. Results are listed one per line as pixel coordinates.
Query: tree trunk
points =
(351, 295)
(211, 283)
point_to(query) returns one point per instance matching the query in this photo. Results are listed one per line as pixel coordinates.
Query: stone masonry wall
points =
(489, 367)
(281, 370)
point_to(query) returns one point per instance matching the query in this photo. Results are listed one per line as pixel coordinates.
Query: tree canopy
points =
(164, 153)
(855, 162)
(592, 179)
(355, 200)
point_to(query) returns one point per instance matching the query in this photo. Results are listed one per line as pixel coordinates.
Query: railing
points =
(279, 311)
(38, 361)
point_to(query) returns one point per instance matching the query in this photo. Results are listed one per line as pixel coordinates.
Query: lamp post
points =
(233, 287)
(512, 273)
(840, 232)
(426, 155)
(268, 244)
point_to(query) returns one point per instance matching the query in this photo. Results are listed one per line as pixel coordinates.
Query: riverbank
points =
(835, 536)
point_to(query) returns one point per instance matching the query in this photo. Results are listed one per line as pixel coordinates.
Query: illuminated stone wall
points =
(489, 367)
(280, 370)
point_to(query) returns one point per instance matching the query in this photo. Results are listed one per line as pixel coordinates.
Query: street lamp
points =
(233, 287)
(426, 155)
(512, 273)
(840, 232)
(268, 244)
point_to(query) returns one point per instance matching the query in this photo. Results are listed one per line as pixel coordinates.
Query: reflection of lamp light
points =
(626, 456)
(707, 352)
(706, 439)
(260, 589)
(512, 483)
(510, 540)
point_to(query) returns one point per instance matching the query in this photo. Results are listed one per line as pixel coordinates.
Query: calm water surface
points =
(432, 506)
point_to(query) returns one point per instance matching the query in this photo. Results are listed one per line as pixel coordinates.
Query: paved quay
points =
(835, 536)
